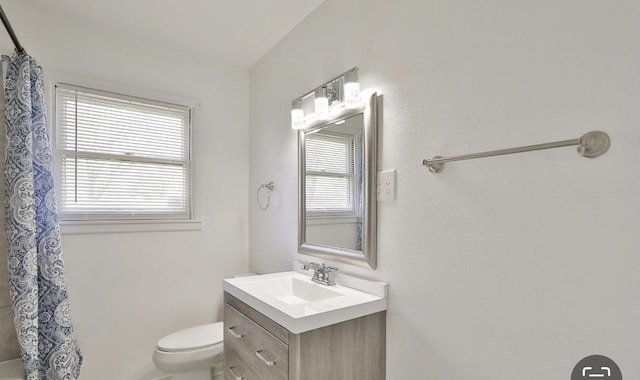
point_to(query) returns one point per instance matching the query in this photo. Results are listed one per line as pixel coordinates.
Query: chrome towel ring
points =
(270, 187)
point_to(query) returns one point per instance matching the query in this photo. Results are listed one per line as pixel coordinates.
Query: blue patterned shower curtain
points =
(36, 270)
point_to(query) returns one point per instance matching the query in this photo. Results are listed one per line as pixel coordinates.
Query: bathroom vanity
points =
(302, 331)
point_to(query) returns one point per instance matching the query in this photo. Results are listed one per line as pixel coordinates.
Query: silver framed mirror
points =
(337, 167)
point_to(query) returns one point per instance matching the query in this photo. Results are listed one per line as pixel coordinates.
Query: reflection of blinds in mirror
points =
(329, 173)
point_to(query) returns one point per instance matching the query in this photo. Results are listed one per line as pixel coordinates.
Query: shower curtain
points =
(36, 269)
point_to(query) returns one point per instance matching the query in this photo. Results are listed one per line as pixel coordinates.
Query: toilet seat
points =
(191, 349)
(192, 338)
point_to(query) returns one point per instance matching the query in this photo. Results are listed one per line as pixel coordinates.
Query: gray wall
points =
(501, 268)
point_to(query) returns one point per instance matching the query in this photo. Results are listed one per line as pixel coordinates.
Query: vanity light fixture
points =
(297, 114)
(321, 103)
(328, 101)
(351, 89)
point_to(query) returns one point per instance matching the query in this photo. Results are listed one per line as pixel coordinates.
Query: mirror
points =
(337, 185)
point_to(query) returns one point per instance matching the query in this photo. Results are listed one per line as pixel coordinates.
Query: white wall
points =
(127, 290)
(501, 268)
(336, 232)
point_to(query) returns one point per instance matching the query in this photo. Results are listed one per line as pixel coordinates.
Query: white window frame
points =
(121, 225)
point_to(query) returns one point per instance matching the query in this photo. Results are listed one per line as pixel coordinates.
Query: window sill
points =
(126, 226)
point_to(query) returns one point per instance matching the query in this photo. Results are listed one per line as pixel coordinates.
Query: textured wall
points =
(501, 268)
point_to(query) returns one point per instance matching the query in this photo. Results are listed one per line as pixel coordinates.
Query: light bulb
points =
(321, 104)
(351, 89)
(297, 114)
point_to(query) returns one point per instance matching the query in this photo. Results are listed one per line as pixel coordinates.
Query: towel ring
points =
(270, 187)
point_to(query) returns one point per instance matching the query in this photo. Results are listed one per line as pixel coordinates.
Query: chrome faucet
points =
(321, 273)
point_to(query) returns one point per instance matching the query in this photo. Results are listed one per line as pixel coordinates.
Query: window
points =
(330, 174)
(120, 157)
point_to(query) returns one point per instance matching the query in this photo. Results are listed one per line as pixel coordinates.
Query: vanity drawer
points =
(236, 368)
(256, 346)
(271, 356)
(237, 332)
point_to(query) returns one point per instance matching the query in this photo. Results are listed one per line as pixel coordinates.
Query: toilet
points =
(191, 353)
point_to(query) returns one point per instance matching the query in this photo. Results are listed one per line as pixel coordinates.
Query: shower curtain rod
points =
(12, 34)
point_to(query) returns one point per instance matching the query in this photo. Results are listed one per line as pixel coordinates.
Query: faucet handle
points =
(314, 266)
(328, 269)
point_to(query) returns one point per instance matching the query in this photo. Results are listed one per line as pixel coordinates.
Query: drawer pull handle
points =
(233, 374)
(235, 334)
(263, 359)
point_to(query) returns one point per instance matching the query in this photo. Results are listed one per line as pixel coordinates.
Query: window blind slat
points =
(100, 120)
(116, 112)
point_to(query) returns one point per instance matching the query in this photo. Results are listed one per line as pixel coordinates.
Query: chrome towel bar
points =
(590, 145)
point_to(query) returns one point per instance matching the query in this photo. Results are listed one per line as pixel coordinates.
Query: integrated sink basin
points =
(291, 290)
(295, 302)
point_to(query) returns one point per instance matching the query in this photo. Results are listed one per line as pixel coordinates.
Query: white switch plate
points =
(387, 186)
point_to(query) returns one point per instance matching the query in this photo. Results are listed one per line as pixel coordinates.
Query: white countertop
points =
(292, 300)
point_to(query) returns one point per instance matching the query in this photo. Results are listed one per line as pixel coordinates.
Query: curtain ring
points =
(270, 187)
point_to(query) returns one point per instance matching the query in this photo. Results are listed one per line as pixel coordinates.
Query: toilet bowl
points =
(192, 349)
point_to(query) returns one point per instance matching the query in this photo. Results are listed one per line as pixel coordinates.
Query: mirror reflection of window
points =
(330, 174)
(333, 184)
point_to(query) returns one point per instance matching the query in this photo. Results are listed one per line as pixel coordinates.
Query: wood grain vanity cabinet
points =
(257, 348)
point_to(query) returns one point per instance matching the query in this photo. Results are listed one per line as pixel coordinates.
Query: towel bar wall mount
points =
(590, 145)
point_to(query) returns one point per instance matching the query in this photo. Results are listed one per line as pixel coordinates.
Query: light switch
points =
(387, 186)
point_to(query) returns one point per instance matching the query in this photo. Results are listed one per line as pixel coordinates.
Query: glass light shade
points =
(351, 89)
(297, 114)
(352, 95)
(321, 104)
(297, 119)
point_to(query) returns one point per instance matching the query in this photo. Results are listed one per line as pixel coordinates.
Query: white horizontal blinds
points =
(121, 157)
(329, 173)
(119, 125)
(116, 187)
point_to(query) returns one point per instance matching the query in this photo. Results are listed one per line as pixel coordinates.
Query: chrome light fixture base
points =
(326, 101)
